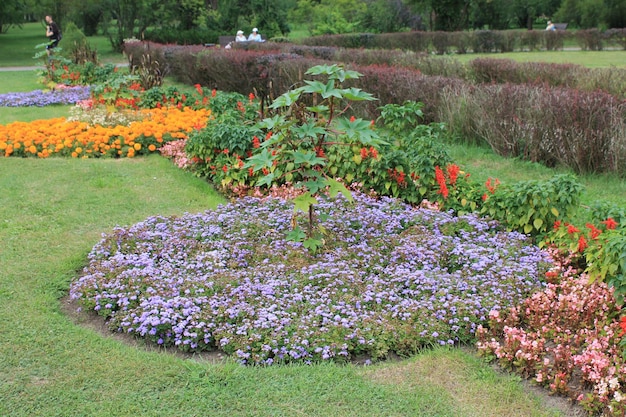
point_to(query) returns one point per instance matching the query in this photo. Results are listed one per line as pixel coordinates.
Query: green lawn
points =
(53, 211)
(591, 59)
(17, 46)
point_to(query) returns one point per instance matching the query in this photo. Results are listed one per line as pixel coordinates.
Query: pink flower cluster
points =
(567, 338)
(175, 150)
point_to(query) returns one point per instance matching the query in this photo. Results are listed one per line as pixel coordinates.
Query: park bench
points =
(560, 26)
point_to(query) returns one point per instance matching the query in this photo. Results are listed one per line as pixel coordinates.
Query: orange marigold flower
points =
(151, 147)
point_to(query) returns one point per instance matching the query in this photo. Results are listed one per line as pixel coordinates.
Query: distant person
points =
(53, 32)
(550, 26)
(255, 36)
(240, 37)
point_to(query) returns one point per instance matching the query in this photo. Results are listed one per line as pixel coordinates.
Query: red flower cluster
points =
(441, 180)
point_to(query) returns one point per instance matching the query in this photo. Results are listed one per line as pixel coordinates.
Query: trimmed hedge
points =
(584, 130)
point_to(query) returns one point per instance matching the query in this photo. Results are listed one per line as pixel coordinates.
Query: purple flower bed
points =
(41, 98)
(392, 279)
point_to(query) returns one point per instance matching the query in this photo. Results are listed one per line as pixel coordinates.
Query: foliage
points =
(533, 206)
(303, 124)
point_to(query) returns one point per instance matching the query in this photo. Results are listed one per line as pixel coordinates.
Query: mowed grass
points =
(590, 59)
(53, 211)
(17, 46)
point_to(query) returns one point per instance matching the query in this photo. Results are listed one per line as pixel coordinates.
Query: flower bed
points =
(392, 279)
(41, 98)
(44, 138)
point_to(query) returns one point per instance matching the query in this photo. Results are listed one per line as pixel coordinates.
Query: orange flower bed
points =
(60, 137)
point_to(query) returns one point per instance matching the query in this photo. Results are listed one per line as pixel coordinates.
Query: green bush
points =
(532, 207)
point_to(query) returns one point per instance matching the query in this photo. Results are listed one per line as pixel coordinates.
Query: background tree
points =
(11, 13)
(385, 16)
(491, 14)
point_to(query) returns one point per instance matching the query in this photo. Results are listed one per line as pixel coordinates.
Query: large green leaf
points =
(335, 187)
(356, 94)
(303, 202)
(258, 161)
(307, 158)
(360, 130)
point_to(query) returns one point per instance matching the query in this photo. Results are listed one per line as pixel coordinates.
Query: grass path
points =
(53, 211)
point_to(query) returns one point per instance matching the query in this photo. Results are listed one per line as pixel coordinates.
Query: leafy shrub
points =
(534, 206)
(442, 42)
(577, 129)
(531, 40)
(485, 41)
(589, 39)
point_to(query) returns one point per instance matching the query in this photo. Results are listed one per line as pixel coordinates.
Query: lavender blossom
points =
(392, 278)
(40, 98)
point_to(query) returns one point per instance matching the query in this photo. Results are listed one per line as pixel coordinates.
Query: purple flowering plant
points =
(41, 98)
(391, 278)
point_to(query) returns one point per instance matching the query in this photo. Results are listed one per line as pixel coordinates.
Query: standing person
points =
(255, 36)
(53, 32)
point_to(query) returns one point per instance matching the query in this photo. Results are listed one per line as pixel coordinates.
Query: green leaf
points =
(266, 180)
(538, 223)
(308, 130)
(528, 228)
(312, 244)
(335, 187)
(258, 161)
(555, 211)
(296, 235)
(287, 99)
(356, 94)
(309, 157)
(303, 202)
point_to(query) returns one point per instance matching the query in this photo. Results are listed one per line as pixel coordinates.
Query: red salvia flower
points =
(622, 325)
(610, 223)
(453, 173)
(557, 224)
(198, 88)
(594, 231)
(441, 180)
(571, 229)
(256, 142)
(364, 153)
(373, 152)
(582, 244)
